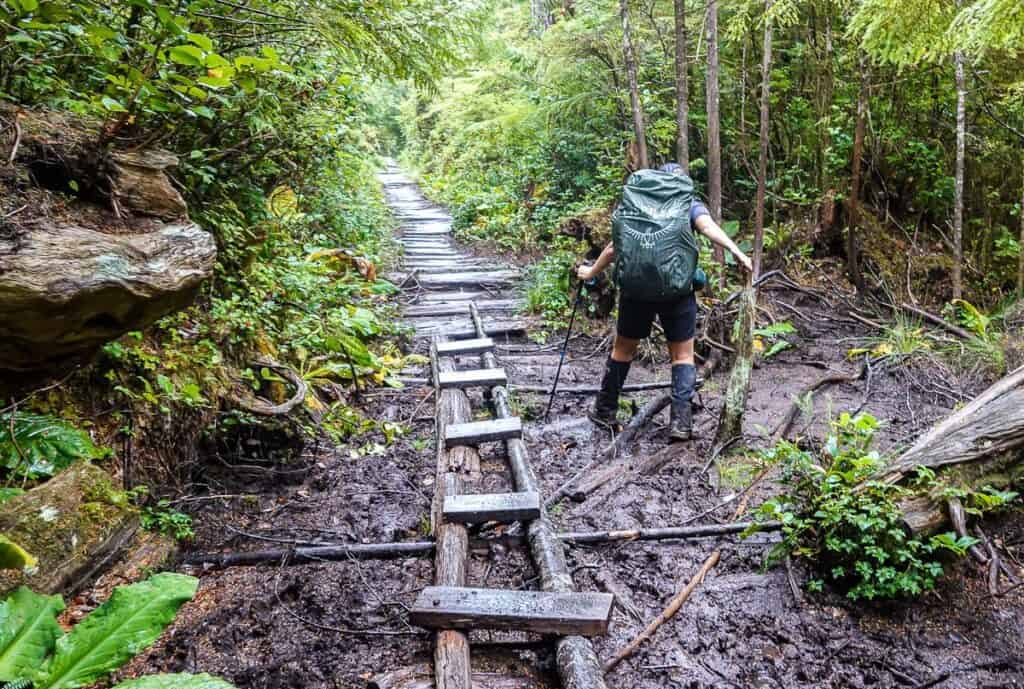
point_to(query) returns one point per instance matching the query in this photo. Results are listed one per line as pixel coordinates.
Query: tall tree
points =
(639, 128)
(1020, 257)
(762, 162)
(682, 89)
(961, 152)
(852, 232)
(714, 131)
(540, 14)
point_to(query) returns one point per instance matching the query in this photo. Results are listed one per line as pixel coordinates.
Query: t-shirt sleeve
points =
(697, 209)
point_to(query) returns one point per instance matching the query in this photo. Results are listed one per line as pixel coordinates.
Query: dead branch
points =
(936, 320)
(263, 408)
(670, 610)
(17, 141)
(794, 407)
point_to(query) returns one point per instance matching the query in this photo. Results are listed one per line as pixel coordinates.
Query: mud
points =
(334, 625)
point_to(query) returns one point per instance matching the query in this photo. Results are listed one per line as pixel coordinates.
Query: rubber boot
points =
(684, 378)
(606, 407)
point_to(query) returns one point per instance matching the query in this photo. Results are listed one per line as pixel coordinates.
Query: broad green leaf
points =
(187, 55)
(112, 105)
(12, 556)
(28, 630)
(126, 624)
(8, 493)
(202, 41)
(43, 445)
(182, 681)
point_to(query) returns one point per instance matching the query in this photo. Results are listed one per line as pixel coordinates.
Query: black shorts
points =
(678, 318)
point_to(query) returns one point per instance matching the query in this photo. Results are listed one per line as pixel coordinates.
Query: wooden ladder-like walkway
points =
(450, 606)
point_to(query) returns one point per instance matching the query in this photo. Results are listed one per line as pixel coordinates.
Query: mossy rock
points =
(74, 525)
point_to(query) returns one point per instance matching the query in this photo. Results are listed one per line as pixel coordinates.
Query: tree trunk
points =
(1020, 260)
(958, 202)
(540, 14)
(714, 133)
(682, 90)
(730, 424)
(762, 163)
(639, 129)
(852, 237)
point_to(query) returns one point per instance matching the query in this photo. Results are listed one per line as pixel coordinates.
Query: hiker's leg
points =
(634, 324)
(681, 352)
(624, 348)
(680, 323)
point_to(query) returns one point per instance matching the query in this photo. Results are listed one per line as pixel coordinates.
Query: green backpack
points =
(655, 251)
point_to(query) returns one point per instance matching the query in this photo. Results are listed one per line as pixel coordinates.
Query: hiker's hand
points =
(744, 261)
(585, 273)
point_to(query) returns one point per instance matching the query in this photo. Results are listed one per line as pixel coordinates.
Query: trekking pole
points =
(565, 345)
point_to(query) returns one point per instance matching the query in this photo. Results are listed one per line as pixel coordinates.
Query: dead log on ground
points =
(601, 484)
(980, 445)
(935, 320)
(383, 551)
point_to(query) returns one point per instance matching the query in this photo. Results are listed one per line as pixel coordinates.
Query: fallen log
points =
(612, 477)
(643, 417)
(383, 551)
(980, 445)
(936, 320)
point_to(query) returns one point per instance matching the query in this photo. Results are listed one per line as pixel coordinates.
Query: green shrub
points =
(42, 445)
(850, 525)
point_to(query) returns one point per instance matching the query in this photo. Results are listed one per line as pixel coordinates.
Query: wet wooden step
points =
(476, 432)
(474, 346)
(481, 377)
(492, 507)
(435, 309)
(450, 607)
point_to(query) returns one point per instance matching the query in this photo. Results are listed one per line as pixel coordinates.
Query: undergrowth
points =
(848, 524)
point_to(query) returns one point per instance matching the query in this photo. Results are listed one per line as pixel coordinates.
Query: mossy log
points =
(980, 445)
(74, 525)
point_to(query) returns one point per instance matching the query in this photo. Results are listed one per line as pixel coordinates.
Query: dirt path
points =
(333, 625)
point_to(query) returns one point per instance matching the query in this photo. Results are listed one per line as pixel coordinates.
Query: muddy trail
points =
(326, 625)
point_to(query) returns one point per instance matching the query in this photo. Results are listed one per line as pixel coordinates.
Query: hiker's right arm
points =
(590, 272)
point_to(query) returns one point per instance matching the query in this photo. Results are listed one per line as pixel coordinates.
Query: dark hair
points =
(673, 168)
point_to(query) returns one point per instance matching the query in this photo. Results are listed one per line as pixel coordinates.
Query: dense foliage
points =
(271, 107)
(538, 131)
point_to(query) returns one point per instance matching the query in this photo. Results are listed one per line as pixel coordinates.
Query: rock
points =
(74, 524)
(65, 290)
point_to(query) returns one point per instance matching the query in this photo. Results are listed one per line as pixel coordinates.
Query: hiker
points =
(656, 270)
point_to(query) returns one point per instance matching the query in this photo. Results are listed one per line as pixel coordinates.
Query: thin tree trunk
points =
(958, 203)
(1020, 261)
(762, 163)
(639, 129)
(682, 90)
(714, 133)
(852, 236)
(540, 14)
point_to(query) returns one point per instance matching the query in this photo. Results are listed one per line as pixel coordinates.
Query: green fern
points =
(42, 445)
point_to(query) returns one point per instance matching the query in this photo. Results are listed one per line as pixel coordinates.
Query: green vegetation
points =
(40, 446)
(849, 524)
(34, 648)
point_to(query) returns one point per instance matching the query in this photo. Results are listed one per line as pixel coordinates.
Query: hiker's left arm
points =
(710, 229)
(590, 272)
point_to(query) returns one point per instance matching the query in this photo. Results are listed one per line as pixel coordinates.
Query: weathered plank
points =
(470, 379)
(492, 507)
(453, 607)
(476, 432)
(474, 346)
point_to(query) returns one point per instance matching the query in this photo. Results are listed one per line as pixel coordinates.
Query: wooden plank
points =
(476, 432)
(475, 378)
(492, 507)
(474, 346)
(454, 607)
